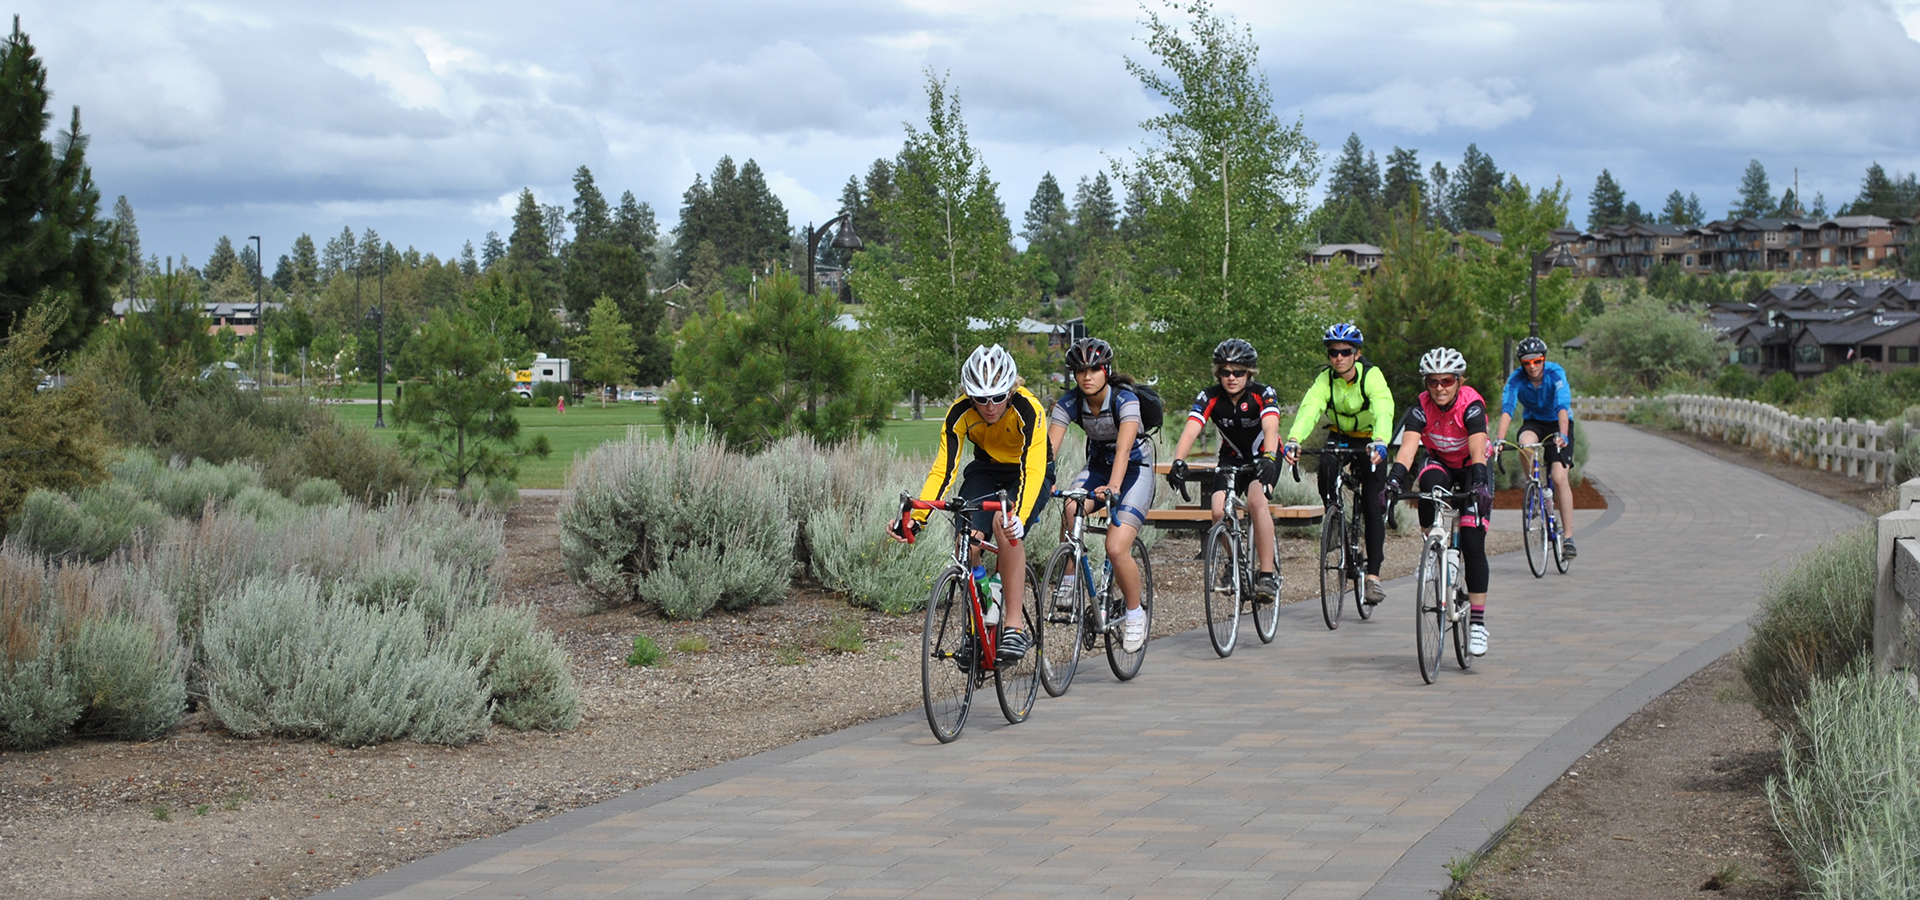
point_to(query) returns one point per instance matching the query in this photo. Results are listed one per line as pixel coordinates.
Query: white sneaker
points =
(1133, 631)
(1063, 595)
(1477, 640)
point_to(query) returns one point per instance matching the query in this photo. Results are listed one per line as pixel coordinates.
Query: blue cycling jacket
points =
(1543, 402)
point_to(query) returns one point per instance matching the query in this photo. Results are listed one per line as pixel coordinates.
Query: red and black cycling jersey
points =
(1444, 432)
(1239, 420)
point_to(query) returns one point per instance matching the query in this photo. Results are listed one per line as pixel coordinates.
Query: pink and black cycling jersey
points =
(1444, 432)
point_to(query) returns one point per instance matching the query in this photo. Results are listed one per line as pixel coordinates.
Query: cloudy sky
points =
(424, 119)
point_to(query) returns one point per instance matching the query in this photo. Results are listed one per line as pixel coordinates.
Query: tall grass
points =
(1848, 800)
(1815, 621)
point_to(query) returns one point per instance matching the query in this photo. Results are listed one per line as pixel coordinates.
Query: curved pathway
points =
(1318, 767)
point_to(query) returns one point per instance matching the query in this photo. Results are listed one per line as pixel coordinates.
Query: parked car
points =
(642, 396)
(232, 372)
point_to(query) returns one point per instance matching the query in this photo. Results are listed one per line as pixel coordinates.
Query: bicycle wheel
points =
(1333, 566)
(1266, 614)
(1060, 652)
(1356, 558)
(1126, 665)
(1430, 612)
(948, 657)
(1221, 565)
(1461, 628)
(1017, 682)
(1560, 560)
(1533, 527)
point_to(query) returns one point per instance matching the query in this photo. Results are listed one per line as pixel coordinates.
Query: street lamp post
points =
(845, 240)
(379, 316)
(1561, 260)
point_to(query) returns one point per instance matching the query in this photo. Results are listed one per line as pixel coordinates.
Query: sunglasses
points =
(994, 400)
(1442, 381)
(1535, 361)
(1232, 373)
(1338, 352)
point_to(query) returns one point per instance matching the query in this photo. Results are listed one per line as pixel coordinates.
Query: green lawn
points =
(585, 426)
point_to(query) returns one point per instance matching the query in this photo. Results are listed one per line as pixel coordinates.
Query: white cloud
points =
(1422, 107)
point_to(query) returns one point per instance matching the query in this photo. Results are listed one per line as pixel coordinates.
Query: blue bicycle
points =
(1539, 517)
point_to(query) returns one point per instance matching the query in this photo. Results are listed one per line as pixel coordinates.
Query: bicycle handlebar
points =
(909, 503)
(1436, 495)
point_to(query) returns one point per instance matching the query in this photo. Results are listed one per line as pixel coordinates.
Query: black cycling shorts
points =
(1545, 430)
(981, 480)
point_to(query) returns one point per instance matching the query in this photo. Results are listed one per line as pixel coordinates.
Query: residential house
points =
(1365, 257)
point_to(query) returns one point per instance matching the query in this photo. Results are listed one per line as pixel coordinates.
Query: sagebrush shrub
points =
(1815, 621)
(130, 682)
(317, 492)
(1848, 797)
(679, 523)
(283, 659)
(366, 468)
(524, 669)
(91, 528)
(38, 705)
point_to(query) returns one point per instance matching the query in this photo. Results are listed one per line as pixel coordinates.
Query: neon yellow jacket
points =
(1019, 438)
(1355, 406)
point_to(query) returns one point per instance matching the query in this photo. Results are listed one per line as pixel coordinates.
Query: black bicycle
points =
(1342, 561)
(1227, 555)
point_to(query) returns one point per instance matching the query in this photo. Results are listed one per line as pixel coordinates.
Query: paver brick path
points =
(1317, 767)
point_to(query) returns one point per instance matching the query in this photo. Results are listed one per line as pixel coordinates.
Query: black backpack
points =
(1153, 410)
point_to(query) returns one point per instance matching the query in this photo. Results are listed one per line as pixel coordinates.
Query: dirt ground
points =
(203, 814)
(1673, 803)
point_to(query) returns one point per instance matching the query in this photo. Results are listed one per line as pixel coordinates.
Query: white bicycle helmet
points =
(989, 372)
(1443, 361)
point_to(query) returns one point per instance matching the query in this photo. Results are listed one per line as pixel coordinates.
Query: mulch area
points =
(1585, 496)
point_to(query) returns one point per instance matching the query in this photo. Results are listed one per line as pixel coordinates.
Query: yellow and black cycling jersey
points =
(1361, 408)
(1019, 440)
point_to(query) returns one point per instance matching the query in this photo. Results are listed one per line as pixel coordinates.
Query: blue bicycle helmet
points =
(1344, 331)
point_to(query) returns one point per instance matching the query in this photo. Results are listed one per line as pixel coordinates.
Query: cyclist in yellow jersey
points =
(1007, 426)
(1355, 395)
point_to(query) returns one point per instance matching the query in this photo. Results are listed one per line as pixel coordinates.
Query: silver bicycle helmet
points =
(1443, 361)
(989, 372)
(1530, 347)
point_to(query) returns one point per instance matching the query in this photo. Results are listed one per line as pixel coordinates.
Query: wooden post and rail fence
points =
(1856, 449)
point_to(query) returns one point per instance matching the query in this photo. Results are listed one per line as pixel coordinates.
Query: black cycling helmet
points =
(1530, 347)
(1237, 352)
(1089, 353)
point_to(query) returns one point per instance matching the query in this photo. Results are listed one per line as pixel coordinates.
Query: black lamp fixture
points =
(1550, 260)
(845, 240)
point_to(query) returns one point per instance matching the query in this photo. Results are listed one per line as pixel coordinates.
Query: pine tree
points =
(1047, 228)
(337, 257)
(1402, 178)
(530, 244)
(1819, 210)
(469, 263)
(1879, 196)
(591, 218)
(1095, 215)
(605, 349)
(128, 232)
(1675, 210)
(52, 238)
(737, 214)
(634, 226)
(492, 250)
(220, 260)
(1475, 188)
(1696, 213)
(283, 274)
(1353, 194)
(1632, 214)
(1046, 211)
(1756, 193)
(1789, 207)
(1440, 200)
(306, 266)
(1606, 205)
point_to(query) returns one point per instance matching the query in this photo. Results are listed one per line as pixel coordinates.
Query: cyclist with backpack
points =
(1006, 424)
(1116, 416)
(1354, 393)
(1541, 387)
(1449, 420)
(1247, 415)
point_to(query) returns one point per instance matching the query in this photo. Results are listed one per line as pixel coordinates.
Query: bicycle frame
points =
(1090, 592)
(1350, 574)
(964, 540)
(1539, 490)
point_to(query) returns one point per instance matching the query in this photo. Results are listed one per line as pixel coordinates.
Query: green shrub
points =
(1856, 392)
(1780, 389)
(38, 705)
(524, 670)
(318, 492)
(1646, 342)
(283, 659)
(645, 651)
(1814, 622)
(1653, 413)
(548, 393)
(1735, 381)
(495, 496)
(1848, 799)
(130, 682)
(843, 496)
(104, 519)
(679, 523)
(365, 468)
